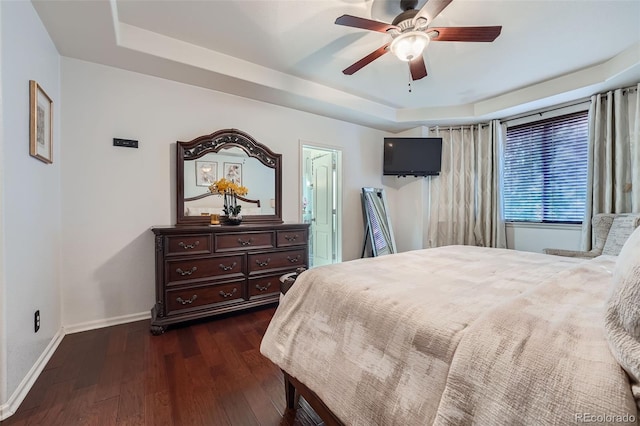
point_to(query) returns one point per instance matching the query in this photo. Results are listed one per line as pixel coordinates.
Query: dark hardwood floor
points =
(205, 373)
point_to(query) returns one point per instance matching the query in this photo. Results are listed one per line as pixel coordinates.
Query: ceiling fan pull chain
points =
(410, 79)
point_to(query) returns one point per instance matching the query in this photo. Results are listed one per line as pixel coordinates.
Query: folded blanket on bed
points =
(453, 335)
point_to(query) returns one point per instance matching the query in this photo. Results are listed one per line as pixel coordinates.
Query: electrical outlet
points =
(36, 321)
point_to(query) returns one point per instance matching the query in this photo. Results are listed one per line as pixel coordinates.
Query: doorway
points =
(321, 195)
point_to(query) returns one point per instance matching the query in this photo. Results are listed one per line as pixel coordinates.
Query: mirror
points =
(236, 156)
(378, 232)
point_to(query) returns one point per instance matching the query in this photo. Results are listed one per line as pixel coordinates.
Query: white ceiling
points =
(291, 53)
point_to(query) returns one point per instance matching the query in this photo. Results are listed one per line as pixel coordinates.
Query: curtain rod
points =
(540, 112)
(457, 126)
(545, 111)
(625, 90)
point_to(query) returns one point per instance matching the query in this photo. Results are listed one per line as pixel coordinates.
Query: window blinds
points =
(545, 175)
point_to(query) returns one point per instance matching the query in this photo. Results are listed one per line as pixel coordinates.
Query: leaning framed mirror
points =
(235, 156)
(378, 230)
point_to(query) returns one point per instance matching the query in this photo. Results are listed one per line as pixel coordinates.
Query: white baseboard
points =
(93, 325)
(10, 407)
(25, 385)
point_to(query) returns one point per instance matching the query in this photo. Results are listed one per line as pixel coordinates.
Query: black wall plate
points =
(127, 143)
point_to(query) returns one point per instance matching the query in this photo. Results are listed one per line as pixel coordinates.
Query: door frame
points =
(339, 193)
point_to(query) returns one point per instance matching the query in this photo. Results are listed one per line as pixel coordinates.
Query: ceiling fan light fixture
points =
(409, 45)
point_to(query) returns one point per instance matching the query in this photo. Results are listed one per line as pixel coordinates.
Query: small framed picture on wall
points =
(233, 172)
(40, 123)
(206, 172)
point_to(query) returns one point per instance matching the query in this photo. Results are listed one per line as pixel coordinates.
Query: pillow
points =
(197, 211)
(621, 228)
(622, 321)
(250, 210)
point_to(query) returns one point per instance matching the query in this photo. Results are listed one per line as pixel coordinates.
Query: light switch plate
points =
(127, 143)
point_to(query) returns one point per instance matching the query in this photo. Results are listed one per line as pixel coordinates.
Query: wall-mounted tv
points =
(412, 156)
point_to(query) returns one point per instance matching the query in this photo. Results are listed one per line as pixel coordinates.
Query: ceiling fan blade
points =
(464, 33)
(431, 9)
(418, 68)
(366, 60)
(365, 24)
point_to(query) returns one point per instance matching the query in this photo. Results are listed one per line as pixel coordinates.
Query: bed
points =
(453, 336)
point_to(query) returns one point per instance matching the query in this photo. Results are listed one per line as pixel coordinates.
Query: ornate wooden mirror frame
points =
(223, 139)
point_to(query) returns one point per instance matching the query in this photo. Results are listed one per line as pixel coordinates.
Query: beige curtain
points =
(613, 168)
(464, 201)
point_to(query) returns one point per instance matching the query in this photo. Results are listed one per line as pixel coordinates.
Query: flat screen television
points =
(412, 156)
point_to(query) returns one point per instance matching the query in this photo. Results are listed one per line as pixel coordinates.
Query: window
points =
(545, 175)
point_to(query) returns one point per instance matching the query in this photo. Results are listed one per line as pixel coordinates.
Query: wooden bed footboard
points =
(287, 280)
(294, 389)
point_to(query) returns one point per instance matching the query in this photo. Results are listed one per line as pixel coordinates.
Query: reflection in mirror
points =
(232, 164)
(236, 156)
(378, 231)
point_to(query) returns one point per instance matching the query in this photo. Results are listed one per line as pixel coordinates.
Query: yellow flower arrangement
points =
(229, 190)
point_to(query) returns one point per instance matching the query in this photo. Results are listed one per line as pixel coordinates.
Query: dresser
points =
(205, 270)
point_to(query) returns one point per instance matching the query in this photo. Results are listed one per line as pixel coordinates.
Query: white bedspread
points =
(453, 335)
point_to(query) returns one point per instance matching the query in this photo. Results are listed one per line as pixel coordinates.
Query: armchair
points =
(610, 231)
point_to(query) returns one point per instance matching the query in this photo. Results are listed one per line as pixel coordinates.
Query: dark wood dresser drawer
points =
(244, 241)
(263, 286)
(186, 245)
(185, 270)
(193, 297)
(267, 261)
(296, 237)
(204, 270)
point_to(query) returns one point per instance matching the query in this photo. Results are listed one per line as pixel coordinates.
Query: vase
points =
(234, 220)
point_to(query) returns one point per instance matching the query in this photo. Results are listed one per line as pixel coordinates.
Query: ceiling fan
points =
(410, 34)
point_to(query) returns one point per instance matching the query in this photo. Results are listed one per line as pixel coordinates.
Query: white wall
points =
(408, 202)
(30, 226)
(111, 196)
(3, 321)
(536, 237)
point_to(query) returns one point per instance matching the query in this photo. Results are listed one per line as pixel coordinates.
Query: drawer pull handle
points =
(189, 246)
(225, 295)
(265, 263)
(263, 288)
(293, 259)
(188, 301)
(189, 272)
(244, 243)
(228, 268)
(291, 238)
